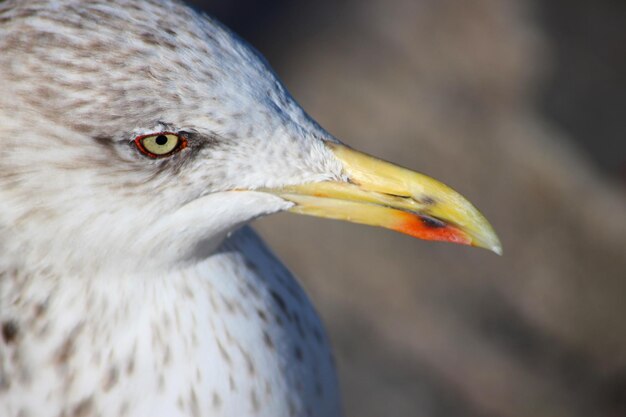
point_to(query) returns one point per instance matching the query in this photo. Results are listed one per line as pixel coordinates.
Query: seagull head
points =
(142, 133)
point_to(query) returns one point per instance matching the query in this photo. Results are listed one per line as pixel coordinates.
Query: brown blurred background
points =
(521, 106)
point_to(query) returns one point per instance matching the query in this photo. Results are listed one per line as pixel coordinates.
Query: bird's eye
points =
(159, 145)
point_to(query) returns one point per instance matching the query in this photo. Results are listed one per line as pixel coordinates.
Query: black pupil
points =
(161, 140)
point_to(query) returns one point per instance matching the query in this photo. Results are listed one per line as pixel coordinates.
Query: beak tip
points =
(492, 243)
(497, 249)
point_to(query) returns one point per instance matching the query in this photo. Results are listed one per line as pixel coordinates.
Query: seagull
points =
(138, 138)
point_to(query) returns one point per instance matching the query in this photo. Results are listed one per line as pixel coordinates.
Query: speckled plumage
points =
(125, 287)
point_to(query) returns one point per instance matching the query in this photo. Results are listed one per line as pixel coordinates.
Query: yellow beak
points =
(379, 193)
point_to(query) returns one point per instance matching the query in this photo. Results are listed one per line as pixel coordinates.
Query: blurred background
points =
(521, 106)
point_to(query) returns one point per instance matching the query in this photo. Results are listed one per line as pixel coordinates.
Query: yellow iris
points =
(161, 144)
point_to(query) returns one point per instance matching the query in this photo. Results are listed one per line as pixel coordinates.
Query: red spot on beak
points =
(428, 228)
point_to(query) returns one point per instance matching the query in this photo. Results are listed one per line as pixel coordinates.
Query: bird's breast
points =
(233, 334)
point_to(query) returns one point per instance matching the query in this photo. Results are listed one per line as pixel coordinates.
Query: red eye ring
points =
(155, 145)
